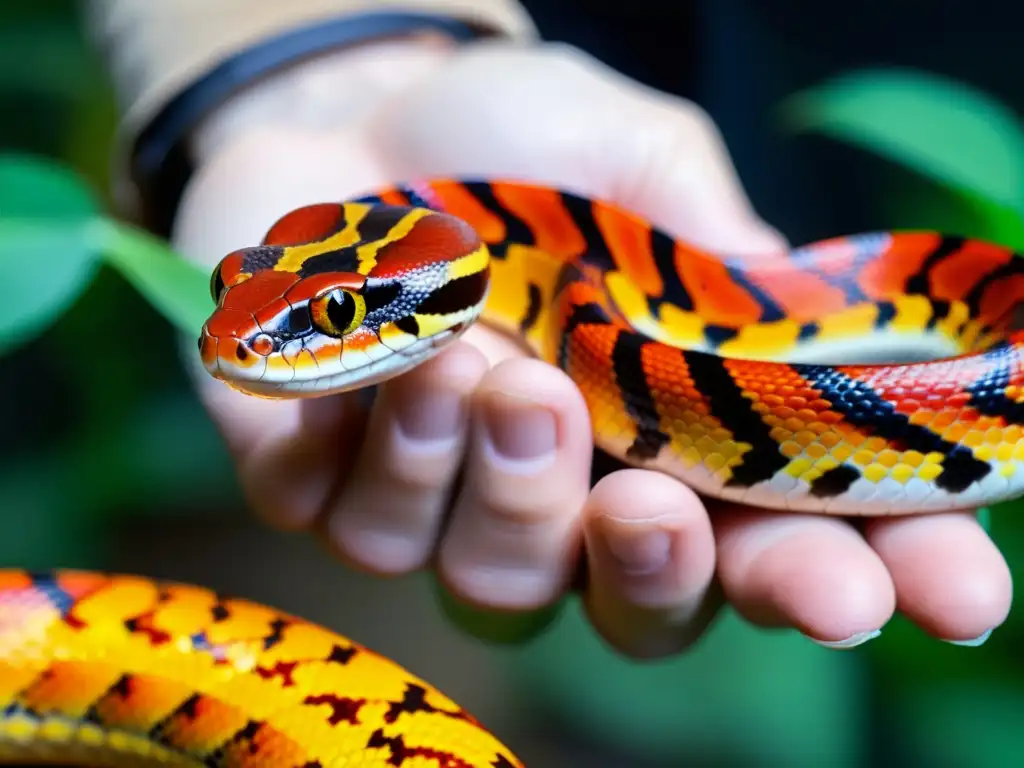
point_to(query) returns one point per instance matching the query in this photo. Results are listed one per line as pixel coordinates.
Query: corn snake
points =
(703, 366)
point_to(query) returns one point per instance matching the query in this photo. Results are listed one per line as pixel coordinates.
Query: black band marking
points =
(377, 224)
(456, 295)
(835, 481)
(516, 230)
(533, 308)
(582, 314)
(636, 394)
(918, 283)
(861, 406)
(731, 408)
(988, 392)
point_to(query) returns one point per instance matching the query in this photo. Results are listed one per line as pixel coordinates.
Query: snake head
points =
(335, 300)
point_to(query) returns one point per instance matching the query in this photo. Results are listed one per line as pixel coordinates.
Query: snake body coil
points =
(730, 374)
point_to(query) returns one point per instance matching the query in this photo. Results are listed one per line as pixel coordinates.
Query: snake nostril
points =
(261, 344)
(241, 352)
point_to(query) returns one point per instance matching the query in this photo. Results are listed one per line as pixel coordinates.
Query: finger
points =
(683, 179)
(287, 452)
(288, 473)
(651, 554)
(815, 574)
(514, 533)
(386, 517)
(950, 577)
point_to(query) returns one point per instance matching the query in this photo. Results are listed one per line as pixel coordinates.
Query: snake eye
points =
(216, 284)
(337, 313)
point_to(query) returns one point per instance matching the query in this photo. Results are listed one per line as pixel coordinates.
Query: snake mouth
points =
(274, 377)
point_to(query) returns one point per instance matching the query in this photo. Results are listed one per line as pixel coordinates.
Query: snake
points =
(869, 375)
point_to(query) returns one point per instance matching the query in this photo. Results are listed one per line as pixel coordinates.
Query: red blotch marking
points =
(800, 294)
(252, 295)
(414, 700)
(629, 242)
(393, 196)
(343, 709)
(143, 625)
(306, 224)
(716, 297)
(435, 239)
(543, 211)
(14, 580)
(314, 285)
(1001, 299)
(957, 274)
(282, 669)
(230, 266)
(81, 584)
(889, 272)
(457, 200)
(401, 752)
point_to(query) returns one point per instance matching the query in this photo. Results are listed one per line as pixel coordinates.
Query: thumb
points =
(681, 177)
(564, 118)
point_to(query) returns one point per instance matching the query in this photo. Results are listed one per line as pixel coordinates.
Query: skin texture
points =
(661, 561)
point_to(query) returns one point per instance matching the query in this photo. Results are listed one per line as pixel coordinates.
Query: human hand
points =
(383, 485)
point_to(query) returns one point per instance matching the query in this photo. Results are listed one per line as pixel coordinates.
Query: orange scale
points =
(70, 687)
(14, 580)
(141, 702)
(330, 351)
(208, 724)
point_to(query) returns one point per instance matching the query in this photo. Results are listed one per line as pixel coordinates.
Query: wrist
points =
(323, 93)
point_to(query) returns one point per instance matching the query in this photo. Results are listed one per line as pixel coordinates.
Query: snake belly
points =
(114, 670)
(732, 374)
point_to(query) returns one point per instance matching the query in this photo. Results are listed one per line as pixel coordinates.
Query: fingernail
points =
(973, 643)
(520, 430)
(851, 642)
(430, 417)
(638, 552)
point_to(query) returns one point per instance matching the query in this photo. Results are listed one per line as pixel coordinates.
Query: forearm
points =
(155, 50)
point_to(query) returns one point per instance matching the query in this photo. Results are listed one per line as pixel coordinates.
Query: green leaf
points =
(47, 56)
(48, 245)
(740, 697)
(941, 128)
(38, 188)
(177, 288)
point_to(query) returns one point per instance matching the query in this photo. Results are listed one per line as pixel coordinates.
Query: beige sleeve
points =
(155, 48)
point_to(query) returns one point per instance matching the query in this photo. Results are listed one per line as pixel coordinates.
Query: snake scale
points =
(732, 374)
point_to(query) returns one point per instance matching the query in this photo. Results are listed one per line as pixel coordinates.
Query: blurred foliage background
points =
(110, 462)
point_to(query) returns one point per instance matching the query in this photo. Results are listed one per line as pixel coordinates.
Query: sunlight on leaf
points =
(48, 247)
(176, 287)
(941, 128)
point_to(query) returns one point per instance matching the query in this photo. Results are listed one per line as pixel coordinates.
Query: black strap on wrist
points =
(160, 163)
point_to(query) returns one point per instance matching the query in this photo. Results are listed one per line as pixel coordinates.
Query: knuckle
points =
(522, 509)
(695, 122)
(419, 477)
